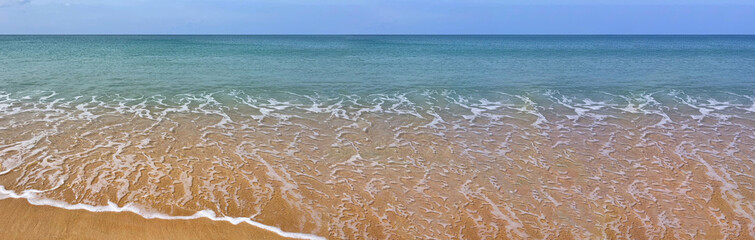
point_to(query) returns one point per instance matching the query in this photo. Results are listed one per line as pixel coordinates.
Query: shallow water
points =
(392, 136)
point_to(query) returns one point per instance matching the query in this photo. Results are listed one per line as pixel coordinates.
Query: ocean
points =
(390, 137)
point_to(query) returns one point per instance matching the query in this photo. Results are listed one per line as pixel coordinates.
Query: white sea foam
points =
(333, 159)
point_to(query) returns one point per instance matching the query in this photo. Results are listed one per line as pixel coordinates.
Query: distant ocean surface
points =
(390, 137)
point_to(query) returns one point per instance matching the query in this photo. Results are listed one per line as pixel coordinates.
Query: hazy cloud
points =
(6, 3)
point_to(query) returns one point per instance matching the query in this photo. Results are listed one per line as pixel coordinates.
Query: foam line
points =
(34, 199)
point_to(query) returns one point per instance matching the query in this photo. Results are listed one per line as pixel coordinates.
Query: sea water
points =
(590, 137)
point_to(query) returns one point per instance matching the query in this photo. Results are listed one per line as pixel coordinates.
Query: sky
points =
(377, 17)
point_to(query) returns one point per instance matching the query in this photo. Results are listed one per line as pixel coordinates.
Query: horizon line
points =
(377, 34)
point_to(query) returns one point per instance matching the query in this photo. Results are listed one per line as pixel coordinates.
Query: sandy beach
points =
(21, 220)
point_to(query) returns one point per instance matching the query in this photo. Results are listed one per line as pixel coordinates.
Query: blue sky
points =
(377, 17)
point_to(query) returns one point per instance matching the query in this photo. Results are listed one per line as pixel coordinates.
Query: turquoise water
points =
(96, 65)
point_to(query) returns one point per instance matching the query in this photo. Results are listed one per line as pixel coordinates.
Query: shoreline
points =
(30, 218)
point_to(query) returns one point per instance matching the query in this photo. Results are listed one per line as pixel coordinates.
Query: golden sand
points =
(21, 220)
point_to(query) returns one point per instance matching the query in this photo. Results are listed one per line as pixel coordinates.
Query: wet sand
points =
(452, 169)
(21, 220)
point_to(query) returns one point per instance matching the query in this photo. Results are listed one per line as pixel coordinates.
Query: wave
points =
(470, 106)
